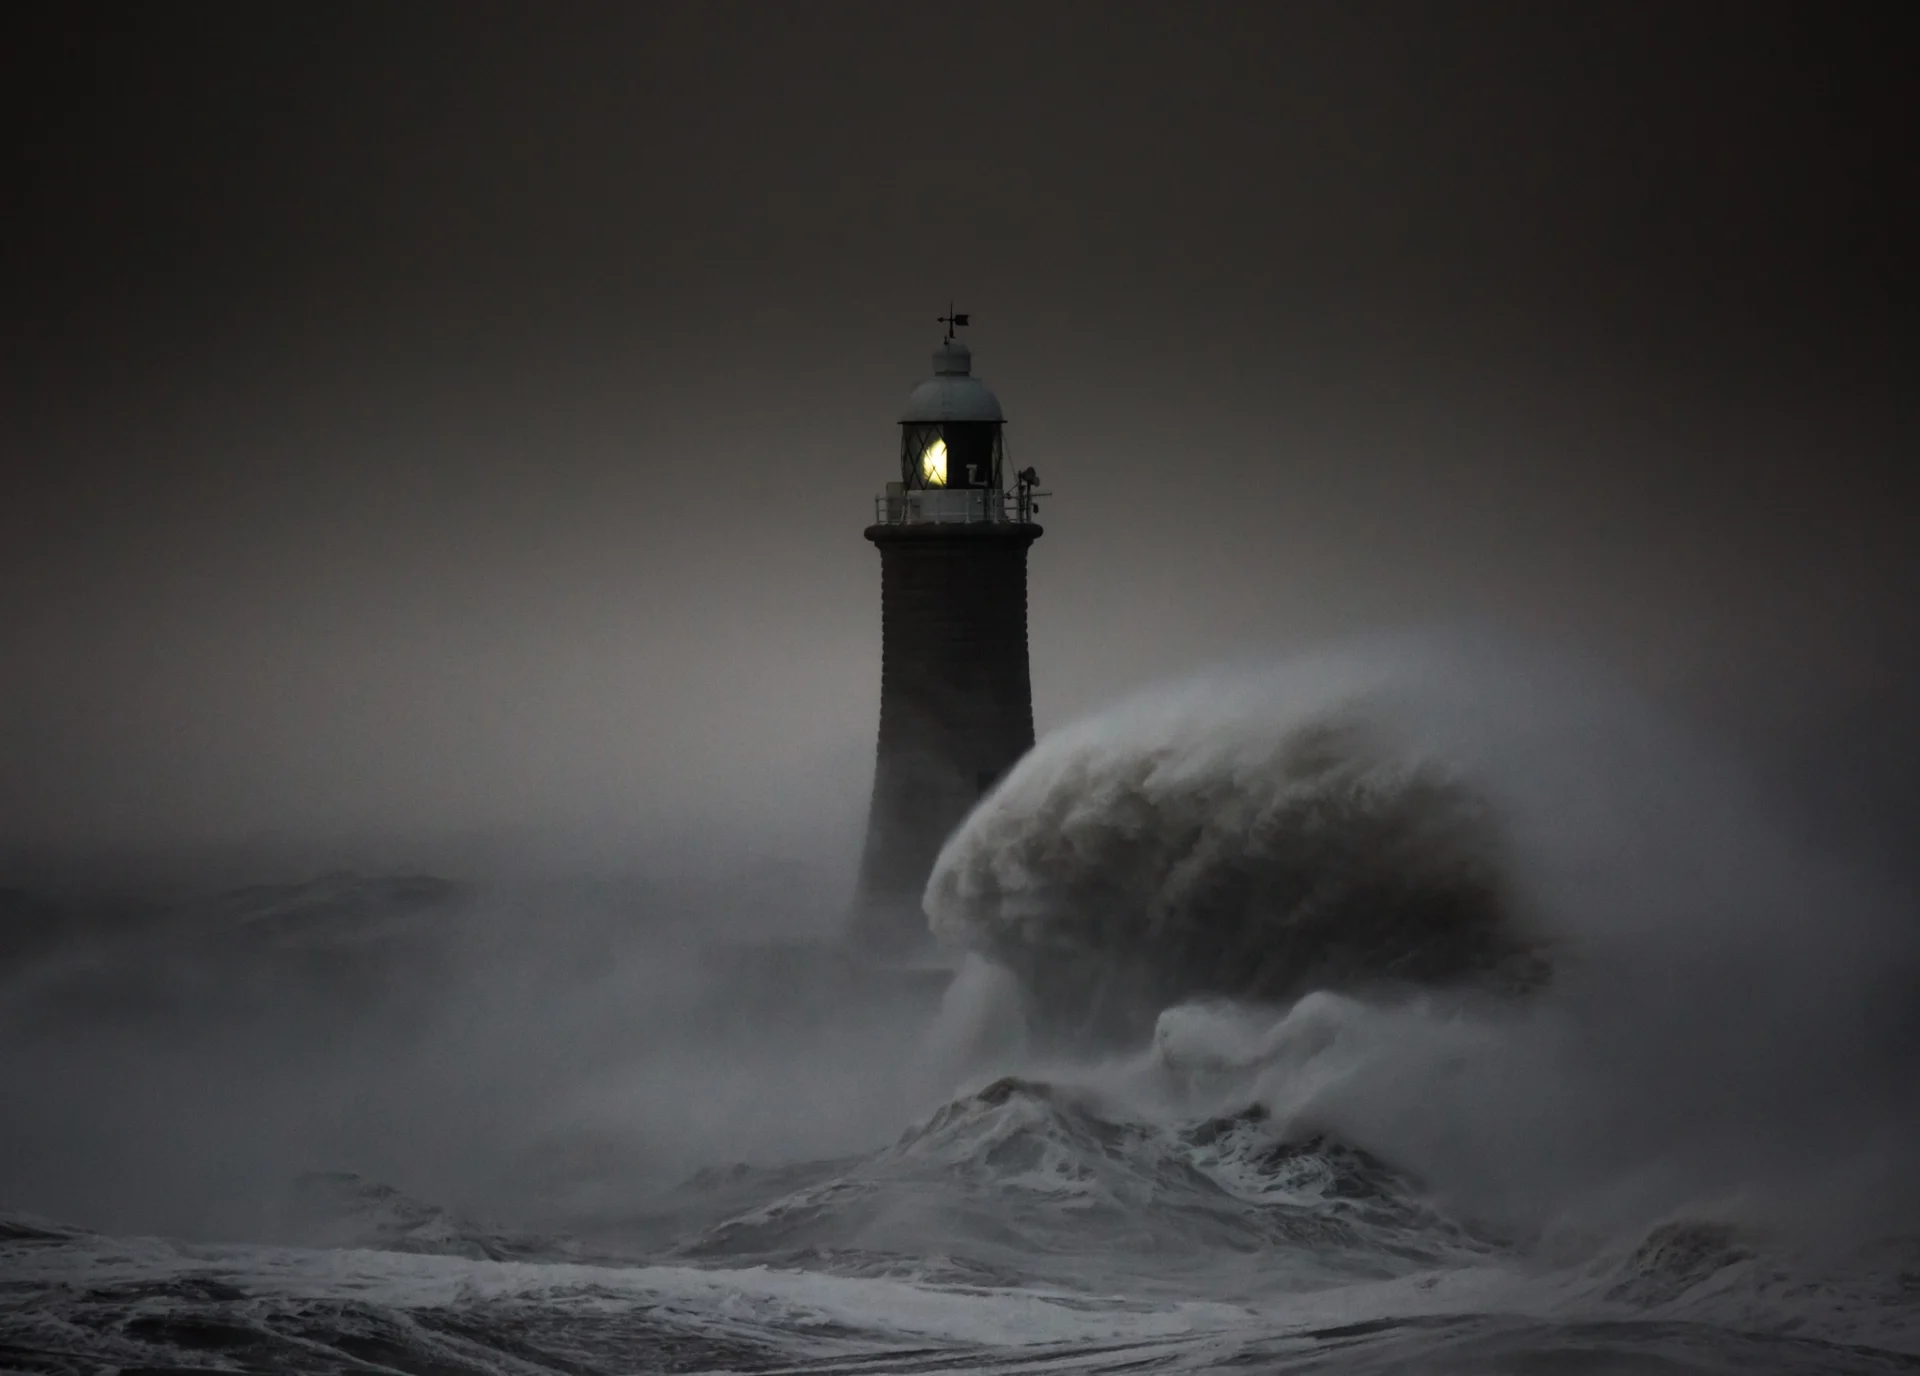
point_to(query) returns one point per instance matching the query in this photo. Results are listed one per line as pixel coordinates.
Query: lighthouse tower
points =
(956, 702)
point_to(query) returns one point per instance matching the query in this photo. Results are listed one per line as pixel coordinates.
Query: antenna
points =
(952, 318)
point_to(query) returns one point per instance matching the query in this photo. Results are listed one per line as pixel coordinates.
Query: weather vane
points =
(952, 318)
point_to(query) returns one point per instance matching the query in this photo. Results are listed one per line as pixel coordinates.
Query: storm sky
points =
(435, 420)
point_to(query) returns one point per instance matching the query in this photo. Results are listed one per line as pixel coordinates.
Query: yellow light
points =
(933, 464)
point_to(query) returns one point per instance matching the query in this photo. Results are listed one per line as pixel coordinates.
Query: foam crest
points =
(1256, 838)
(1498, 923)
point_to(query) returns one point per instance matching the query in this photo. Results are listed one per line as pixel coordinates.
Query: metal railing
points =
(955, 506)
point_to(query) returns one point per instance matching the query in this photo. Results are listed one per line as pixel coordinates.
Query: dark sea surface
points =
(1009, 1232)
(1363, 1020)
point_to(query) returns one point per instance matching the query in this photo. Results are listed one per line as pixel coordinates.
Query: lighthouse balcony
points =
(899, 506)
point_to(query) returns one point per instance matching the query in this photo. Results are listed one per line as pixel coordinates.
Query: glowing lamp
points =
(933, 464)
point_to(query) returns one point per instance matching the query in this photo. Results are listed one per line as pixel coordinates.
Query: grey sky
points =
(436, 419)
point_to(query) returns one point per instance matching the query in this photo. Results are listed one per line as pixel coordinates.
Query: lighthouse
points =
(956, 699)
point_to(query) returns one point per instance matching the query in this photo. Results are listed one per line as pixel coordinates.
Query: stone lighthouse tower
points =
(956, 702)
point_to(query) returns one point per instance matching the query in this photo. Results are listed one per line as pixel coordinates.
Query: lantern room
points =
(950, 429)
(953, 452)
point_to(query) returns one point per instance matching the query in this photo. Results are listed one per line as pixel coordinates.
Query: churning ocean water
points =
(1398, 1011)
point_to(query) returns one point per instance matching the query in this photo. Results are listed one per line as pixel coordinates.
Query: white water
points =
(1722, 1024)
(1690, 1147)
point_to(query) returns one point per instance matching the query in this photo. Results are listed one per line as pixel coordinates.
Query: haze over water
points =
(1645, 1107)
(441, 667)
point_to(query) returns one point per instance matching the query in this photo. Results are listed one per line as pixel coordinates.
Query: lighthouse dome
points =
(953, 393)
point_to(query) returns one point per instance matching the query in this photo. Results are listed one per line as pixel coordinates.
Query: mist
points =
(1718, 1009)
(1460, 910)
(1715, 1011)
(555, 1048)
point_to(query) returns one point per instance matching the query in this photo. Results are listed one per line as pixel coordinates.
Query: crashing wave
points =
(20, 1228)
(1255, 841)
(1709, 1270)
(1675, 1258)
(340, 1209)
(1024, 1171)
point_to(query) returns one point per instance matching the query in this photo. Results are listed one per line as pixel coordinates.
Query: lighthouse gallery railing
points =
(954, 506)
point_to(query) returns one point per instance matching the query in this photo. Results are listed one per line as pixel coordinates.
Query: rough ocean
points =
(1409, 1009)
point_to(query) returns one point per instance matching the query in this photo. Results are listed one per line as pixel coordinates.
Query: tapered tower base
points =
(956, 704)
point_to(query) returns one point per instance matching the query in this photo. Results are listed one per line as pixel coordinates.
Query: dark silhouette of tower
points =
(956, 702)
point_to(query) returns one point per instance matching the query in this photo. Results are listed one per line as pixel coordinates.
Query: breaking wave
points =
(1497, 924)
(1025, 1226)
(1249, 840)
(1418, 1008)
(1026, 1179)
